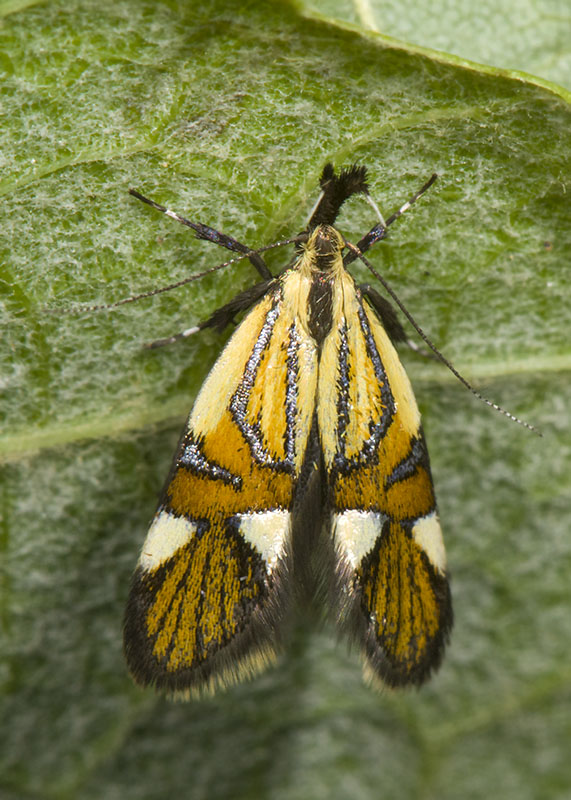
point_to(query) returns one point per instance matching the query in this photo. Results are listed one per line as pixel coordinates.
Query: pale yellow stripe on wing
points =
(267, 403)
(296, 285)
(412, 496)
(407, 409)
(226, 374)
(365, 399)
(327, 391)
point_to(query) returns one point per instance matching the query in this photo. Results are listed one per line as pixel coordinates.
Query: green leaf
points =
(532, 36)
(227, 112)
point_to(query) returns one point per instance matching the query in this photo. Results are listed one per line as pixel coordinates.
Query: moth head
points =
(324, 247)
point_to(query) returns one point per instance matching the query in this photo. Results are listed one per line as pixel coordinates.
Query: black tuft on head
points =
(336, 189)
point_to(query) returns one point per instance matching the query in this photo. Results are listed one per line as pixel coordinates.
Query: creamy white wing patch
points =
(166, 535)
(268, 532)
(355, 533)
(428, 535)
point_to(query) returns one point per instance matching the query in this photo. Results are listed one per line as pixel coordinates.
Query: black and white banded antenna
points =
(201, 232)
(376, 234)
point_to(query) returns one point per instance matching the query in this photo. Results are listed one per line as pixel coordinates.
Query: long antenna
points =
(430, 344)
(196, 276)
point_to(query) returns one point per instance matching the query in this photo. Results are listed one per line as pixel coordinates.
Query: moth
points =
(302, 471)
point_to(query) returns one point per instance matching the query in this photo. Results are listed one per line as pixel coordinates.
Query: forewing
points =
(211, 587)
(391, 591)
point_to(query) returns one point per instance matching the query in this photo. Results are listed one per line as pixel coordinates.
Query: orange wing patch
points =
(407, 603)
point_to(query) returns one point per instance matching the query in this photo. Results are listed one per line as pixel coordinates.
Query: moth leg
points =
(391, 322)
(220, 318)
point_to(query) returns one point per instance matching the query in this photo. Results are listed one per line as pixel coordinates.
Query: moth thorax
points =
(324, 246)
